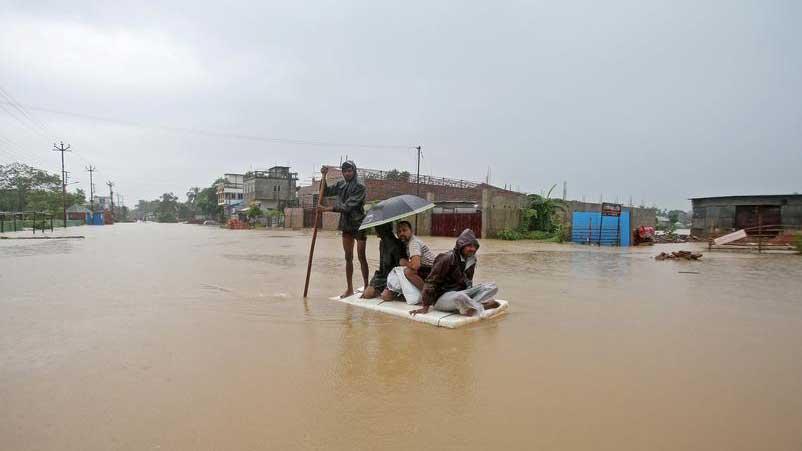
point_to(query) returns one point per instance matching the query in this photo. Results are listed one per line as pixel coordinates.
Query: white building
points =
(230, 190)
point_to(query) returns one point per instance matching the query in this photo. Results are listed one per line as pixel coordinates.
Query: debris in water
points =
(679, 255)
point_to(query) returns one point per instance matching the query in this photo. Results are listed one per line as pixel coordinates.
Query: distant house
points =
(272, 189)
(77, 213)
(102, 203)
(230, 190)
(714, 216)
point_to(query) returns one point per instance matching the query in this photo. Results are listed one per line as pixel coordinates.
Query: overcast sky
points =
(659, 101)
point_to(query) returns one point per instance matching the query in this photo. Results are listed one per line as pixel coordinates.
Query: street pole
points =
(418, 188)
(111, 197)
(63, 149)
(91, 169)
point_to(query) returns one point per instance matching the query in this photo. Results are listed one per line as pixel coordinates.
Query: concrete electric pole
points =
(63, 149)
(111, 198)
(91, 169)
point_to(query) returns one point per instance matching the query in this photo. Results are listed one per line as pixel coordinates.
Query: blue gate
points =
(614, 230)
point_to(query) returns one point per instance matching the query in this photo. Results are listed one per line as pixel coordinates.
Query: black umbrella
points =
(395, 208)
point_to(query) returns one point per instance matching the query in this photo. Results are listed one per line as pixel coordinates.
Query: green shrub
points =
(509, 235)
(536, 235)
(798, 242)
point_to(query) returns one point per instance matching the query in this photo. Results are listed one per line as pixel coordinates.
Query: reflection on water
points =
(146, 336)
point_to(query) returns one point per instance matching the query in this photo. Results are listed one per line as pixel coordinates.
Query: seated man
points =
(449, 287)
(421, 258)
(391, 254)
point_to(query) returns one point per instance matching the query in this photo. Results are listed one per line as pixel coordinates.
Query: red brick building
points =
(496, 209)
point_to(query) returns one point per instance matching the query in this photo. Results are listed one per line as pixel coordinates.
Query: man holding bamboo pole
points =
(350, 203)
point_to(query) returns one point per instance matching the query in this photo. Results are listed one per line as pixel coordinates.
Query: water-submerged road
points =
(170, 336)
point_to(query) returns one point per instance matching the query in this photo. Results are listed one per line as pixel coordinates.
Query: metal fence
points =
(15, 221)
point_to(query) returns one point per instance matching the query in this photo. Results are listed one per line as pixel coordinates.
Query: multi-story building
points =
(272, 189)
(230, 190)
(102, 203)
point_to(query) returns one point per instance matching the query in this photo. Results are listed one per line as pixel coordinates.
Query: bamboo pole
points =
(314, 233)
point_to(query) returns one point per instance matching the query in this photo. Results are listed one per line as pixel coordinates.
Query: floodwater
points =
(181, 337)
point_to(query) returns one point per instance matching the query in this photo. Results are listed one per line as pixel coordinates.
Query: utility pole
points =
(91, 169)
(417, 182)
(111, 196)
(565, 190)
(63, 149)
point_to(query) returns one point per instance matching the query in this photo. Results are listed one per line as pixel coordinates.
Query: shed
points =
(776, 213)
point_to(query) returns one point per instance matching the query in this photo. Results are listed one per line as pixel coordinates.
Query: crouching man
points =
(391, 254)
(449, 286)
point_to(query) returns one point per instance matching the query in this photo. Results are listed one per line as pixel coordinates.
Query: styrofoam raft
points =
(434, 317)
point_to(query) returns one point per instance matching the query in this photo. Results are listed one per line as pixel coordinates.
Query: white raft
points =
(434, 317)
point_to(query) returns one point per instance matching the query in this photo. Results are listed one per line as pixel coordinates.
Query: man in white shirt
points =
(421, 257)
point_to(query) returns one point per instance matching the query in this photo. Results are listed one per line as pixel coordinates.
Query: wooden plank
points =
(729, 238)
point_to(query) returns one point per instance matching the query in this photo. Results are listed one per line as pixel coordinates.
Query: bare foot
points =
(347, 293)
(491, 304)
(470, 312)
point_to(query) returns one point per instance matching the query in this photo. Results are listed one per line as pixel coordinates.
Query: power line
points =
(21, 108)
(218, 134)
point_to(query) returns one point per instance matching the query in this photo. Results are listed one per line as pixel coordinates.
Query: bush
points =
(537, 235)
(509, 235)
(798, 242)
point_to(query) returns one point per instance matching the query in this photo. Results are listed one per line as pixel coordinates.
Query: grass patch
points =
(536, 235)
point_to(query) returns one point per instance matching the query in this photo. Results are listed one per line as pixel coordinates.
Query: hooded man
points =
(391, 254)
(449, 286)
(350, 203)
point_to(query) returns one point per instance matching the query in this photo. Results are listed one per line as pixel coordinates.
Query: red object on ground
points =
(236, 224)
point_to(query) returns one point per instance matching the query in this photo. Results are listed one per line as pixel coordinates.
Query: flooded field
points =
(157, 336)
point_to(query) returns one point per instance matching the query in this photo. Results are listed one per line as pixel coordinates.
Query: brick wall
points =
(330, 220)
(293, 218)
(383, 189)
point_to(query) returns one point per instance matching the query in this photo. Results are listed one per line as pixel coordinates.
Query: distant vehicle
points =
(210, 222)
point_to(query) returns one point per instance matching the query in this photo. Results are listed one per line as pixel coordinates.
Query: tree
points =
(18, 181)
(168, 208)
(394, 174)
(255, 212)
(540, 214)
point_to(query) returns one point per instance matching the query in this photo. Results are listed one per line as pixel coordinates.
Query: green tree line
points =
(26, 188)
(200, 202)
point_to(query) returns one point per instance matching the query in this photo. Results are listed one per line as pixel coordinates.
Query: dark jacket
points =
(391, 251)
(449, 272)
(350, 202)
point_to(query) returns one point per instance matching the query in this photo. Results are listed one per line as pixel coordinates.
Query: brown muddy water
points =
(180, 337)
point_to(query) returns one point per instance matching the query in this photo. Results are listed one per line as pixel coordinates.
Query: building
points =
(102, 203)
(715, 216)
(461, 204)
(230, 192)
(77, 213)
(273, 189)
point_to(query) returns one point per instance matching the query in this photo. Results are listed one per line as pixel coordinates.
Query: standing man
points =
(350, 203)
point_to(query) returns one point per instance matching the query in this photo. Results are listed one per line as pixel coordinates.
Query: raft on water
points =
(434, 317)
